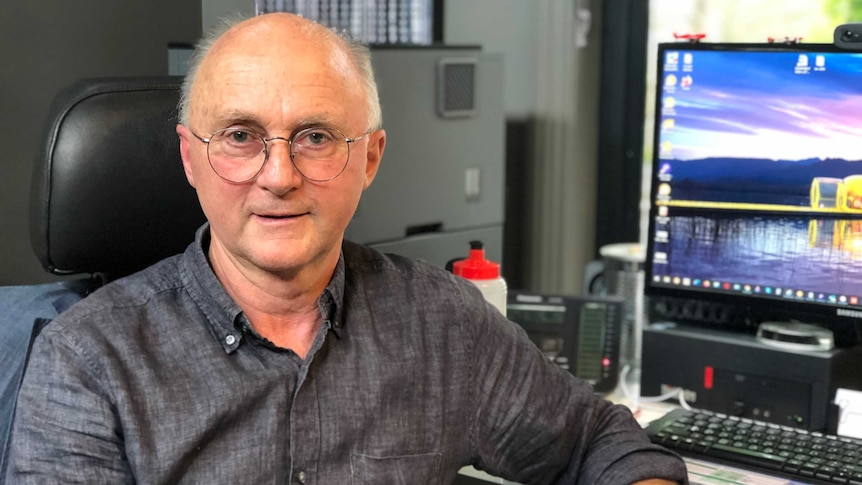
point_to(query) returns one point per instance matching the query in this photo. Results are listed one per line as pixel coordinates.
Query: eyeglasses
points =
(318, 154)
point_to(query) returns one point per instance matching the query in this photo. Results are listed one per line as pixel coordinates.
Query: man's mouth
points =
(279, 216)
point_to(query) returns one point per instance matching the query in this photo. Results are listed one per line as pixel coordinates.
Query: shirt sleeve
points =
(534, 422)
(64, 430)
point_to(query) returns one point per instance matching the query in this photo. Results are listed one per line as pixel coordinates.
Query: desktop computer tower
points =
(735, 374)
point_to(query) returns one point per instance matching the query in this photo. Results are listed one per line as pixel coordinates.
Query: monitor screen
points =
(756, 197)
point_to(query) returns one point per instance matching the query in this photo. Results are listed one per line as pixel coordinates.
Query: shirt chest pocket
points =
(396, 470)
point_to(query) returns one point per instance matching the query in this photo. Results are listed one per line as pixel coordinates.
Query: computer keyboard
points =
(782, 451)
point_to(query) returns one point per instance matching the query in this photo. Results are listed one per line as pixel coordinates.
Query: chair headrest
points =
(109, 195)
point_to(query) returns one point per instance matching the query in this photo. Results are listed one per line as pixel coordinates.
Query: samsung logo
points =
(843, 312)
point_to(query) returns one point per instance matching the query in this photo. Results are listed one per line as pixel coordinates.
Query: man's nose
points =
(279, 173)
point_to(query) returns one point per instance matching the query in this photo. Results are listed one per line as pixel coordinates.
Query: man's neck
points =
(284, 310)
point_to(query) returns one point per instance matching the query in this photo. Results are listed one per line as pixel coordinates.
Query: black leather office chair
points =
(109, 198)
(109, 194)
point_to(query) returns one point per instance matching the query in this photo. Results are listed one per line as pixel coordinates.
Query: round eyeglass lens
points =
(236, 155)
(320, 154)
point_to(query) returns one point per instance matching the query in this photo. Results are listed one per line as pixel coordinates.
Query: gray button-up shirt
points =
(158, 378)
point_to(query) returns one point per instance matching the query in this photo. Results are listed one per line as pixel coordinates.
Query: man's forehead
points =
(267, 76)
(275, 101)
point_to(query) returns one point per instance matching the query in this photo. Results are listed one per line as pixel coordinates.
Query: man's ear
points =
(185, 153)
(374, 152)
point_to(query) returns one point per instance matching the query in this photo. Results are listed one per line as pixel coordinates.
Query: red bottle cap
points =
(476, 267)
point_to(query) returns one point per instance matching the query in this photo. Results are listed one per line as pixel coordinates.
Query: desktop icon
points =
(670, 80)
(672, 57)
(668, 104)
(687, 58)
(802, 60)
(668, 124)
(686, 81)
(664, 189)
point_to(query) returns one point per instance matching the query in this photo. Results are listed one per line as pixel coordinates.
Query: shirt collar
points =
(223, 314)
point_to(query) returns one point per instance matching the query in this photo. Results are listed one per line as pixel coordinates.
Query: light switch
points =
(472, 183)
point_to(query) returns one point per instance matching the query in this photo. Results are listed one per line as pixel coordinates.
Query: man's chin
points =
(280, 260)
(287, 257)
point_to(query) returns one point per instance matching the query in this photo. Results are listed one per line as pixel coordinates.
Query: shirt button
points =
(230, 340)
(301, 476)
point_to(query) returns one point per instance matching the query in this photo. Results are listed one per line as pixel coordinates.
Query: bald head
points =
(286, 42)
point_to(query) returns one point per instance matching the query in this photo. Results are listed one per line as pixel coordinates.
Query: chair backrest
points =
(109, 198)
(109, 194)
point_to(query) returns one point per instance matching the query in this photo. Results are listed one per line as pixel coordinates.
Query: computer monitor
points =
(756, 198)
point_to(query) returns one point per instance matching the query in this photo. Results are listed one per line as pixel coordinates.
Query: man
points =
(272, 351)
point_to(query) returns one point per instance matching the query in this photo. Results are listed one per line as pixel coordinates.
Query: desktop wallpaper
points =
(759, 125)
(758, 174)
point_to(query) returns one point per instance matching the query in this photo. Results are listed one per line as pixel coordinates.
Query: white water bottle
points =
(484, 274)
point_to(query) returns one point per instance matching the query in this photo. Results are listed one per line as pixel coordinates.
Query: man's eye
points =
(238, 136)
(314, 138)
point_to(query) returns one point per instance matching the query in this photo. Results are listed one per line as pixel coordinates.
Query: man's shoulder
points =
(368, 260)
(386, 276)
